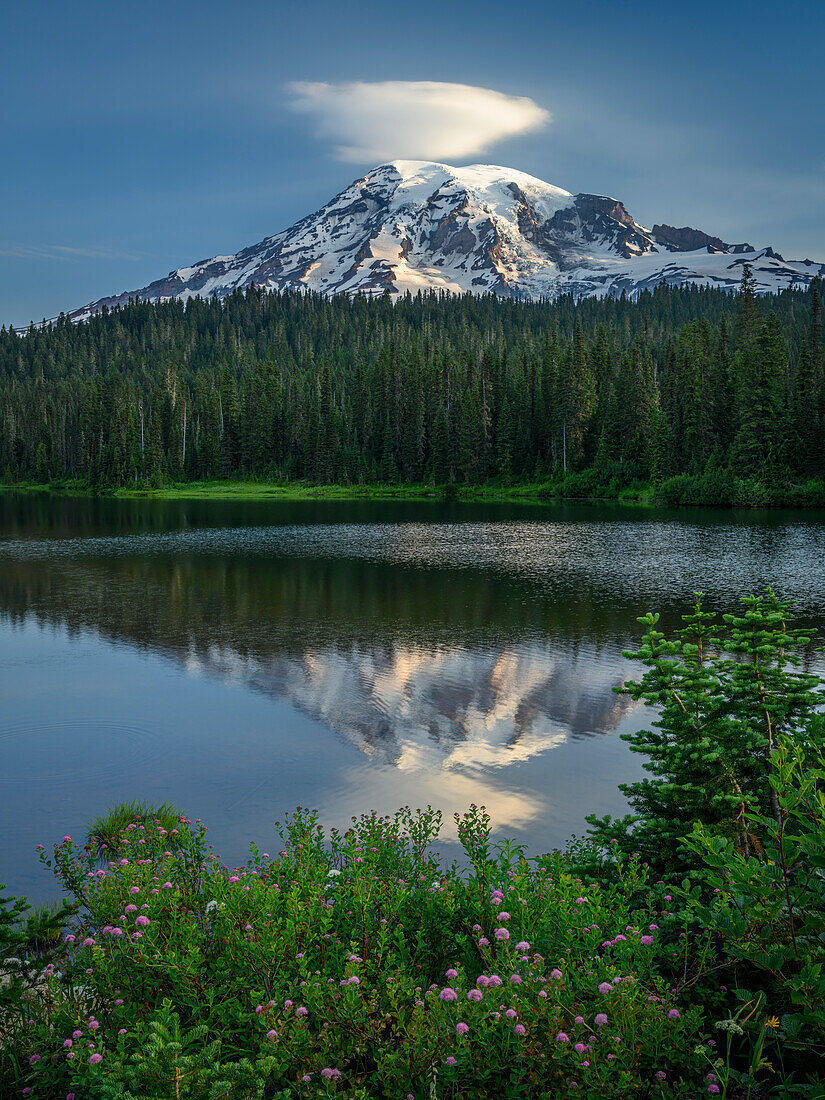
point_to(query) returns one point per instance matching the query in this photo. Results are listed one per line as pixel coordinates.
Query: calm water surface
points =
(240, 659)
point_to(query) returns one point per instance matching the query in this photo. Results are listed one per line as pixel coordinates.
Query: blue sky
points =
(138, 137)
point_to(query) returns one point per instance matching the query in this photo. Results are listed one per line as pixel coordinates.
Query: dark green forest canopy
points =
(438, 388)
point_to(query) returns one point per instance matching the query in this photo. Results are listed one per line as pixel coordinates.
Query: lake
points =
(240, 659)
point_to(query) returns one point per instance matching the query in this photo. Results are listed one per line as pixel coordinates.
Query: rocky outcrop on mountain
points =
(689, 240)
(418, 226)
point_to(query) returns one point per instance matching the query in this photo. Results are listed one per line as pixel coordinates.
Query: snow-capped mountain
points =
(416, 225)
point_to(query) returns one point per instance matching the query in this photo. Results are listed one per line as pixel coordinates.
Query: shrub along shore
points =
(719, 489)
(677, 952)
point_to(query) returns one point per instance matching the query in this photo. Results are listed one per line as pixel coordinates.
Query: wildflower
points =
(772, 1021)
(67, 839)
(605, 987)
(449, 1061)
(562, 1037)
(130, 909)
(555, 974)
(67, 1043)
(301, 1011)
(675, 1014)
(520, 1029)
(503, 916)
(511, 1014)
(134, 889)
(88, 942)
(728, 1025)
(34, 1059)
(579, 1048)
(77, 1034)
(515, 979)
(502, 934)
(331, 1074)
(461, 1029)
(448, 994)
(600, 1020)
(661, 1075)
(475, 995)
(122, 1031)
(713, 1088)
(646, 941)
(483, 942)
(353, 980)
(451, 973)
(142, 920)
(272, 1035)
(95, 1058)
(523, 946)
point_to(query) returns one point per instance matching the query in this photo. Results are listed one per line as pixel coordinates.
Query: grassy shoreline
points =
(529, 493)
(718, 489)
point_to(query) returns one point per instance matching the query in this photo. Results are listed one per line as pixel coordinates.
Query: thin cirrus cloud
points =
(422, 119)
(63, 252)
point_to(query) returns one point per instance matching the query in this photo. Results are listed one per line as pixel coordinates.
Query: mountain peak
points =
(411, 225)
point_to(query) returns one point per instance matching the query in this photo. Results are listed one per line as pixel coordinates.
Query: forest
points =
(705, 395)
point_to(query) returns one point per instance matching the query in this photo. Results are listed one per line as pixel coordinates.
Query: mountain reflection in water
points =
(372, 656)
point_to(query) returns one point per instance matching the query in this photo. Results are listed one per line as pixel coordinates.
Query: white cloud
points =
(63, 252)
(426, 120)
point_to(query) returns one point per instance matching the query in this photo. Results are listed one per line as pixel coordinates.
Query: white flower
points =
(729, 1025)
(333, 873)
(210, 905)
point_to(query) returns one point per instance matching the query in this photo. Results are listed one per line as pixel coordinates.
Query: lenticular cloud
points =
(413, 119)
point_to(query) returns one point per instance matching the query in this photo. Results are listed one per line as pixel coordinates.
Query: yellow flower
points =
(772, 1021)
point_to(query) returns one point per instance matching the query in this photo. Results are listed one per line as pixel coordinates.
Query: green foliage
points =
(725, 692)
(768, 904)
(359, 964)
(104, 833)
(436, 389)
(30, 945)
